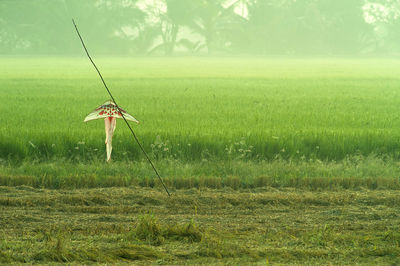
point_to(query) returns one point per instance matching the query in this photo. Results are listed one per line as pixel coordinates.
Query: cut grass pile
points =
(197, 226)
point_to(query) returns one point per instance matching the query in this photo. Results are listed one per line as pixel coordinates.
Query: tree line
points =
(215, 27)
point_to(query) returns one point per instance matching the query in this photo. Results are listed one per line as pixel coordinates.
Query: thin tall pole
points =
(133, 133)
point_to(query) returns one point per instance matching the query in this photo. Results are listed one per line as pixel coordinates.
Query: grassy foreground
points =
(197, 226)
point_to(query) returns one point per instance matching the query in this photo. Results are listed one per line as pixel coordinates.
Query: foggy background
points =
(201, 27)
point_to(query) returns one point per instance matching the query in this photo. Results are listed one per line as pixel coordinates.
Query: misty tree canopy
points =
(218, 27)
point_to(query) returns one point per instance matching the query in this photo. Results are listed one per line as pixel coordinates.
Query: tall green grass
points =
(194, 109)
(350, 173)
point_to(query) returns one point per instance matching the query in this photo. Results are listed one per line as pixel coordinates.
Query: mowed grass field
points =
(269, 161)
(246, 227)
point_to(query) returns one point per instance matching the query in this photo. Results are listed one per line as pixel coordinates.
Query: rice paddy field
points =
(269, 161)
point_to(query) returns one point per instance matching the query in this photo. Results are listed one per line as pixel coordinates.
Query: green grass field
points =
(200, 108)
(269, 160)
